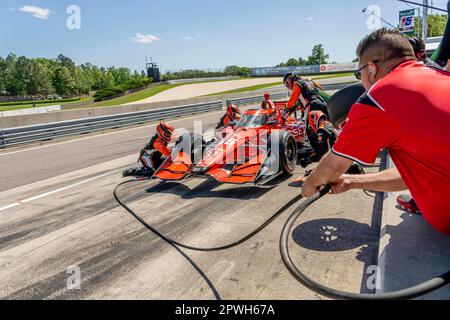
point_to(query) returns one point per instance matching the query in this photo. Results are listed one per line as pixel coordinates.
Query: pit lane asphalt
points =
(336, 241)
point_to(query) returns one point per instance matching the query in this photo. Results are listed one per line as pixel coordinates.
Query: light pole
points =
(425, 21)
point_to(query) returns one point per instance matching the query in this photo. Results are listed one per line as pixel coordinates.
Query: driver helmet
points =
(233, 112)
(164, 131)
(289, 80)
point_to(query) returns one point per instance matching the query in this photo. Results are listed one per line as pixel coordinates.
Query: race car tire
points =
(288, 152)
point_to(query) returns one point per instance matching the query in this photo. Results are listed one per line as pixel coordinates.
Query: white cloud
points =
(190, 38)
(310, 19)
(11, 9)
(37, 12)
(142, 38)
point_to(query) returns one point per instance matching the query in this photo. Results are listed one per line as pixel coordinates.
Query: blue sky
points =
(187, 33)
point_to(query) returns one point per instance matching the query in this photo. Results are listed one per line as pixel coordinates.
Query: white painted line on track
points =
(18, 203)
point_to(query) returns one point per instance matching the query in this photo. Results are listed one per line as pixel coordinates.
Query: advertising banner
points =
(339, 67)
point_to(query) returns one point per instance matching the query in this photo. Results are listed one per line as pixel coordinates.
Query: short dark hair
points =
(385, 44)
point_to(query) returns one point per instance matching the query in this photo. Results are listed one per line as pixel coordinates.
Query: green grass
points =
(136, 96)
(246, 89)
(146, 93)
(330, 76)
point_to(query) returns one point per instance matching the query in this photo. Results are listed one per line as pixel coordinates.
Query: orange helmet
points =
(233, 111)
(165, 131)
(314, 119)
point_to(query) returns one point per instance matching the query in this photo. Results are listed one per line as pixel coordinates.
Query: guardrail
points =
(45, 132)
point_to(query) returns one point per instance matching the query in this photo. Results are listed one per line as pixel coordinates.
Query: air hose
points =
(221, 248)
(409, 293)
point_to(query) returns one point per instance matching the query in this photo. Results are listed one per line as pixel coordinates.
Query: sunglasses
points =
(358, 72)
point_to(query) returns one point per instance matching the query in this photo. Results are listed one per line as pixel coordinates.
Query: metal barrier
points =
(44, 132)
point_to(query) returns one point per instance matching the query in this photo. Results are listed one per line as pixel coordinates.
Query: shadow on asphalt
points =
(332, 235)
(206, 190)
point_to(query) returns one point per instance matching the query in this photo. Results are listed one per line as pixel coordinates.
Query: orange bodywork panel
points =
(241, 174)
(175, 169)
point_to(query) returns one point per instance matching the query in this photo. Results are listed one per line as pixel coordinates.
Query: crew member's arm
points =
(161, 147)
(384, 181)
(361, 141)
(294, 97)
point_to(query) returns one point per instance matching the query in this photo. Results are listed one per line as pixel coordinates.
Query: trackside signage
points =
(280, 71)
(339, 67)
(407, 22)
(315, 69)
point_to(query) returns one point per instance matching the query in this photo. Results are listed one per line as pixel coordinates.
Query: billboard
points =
(339, 67)
(407, 22)
(316, 69)
(281, 71)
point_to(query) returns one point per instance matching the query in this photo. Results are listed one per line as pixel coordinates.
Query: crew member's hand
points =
(309, 188)
(343, 184)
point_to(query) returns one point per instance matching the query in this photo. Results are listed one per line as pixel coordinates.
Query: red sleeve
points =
(294, 97)
(161, 147)
(367, 131)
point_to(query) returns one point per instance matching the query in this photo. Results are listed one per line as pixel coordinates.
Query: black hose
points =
(225, 247)
(409, 293)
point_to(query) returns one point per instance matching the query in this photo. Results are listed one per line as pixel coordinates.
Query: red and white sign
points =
(338, 67)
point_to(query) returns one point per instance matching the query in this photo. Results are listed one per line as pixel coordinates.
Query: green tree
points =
(22, 76)
(302, 62)
(318, 56)
(436, 25)
(63, 81)
(292, 62)
(39, 79)
(2, 75)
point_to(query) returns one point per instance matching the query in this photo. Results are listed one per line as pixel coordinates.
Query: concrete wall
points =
(26, 120)
(21, 112)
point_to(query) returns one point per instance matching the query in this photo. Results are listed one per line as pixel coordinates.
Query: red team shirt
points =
(408, 113)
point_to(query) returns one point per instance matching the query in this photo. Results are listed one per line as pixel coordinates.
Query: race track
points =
(203, 89)
(57, 210)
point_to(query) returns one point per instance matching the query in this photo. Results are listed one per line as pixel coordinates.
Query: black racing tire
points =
(287, 155)
(287, 150)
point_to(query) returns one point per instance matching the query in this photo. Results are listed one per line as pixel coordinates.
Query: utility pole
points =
(425, 21)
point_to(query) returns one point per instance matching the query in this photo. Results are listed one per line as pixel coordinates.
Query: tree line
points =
(195, 73)
(317, 57)
(22, 76)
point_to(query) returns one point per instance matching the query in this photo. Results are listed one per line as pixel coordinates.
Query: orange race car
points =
(260, 147)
